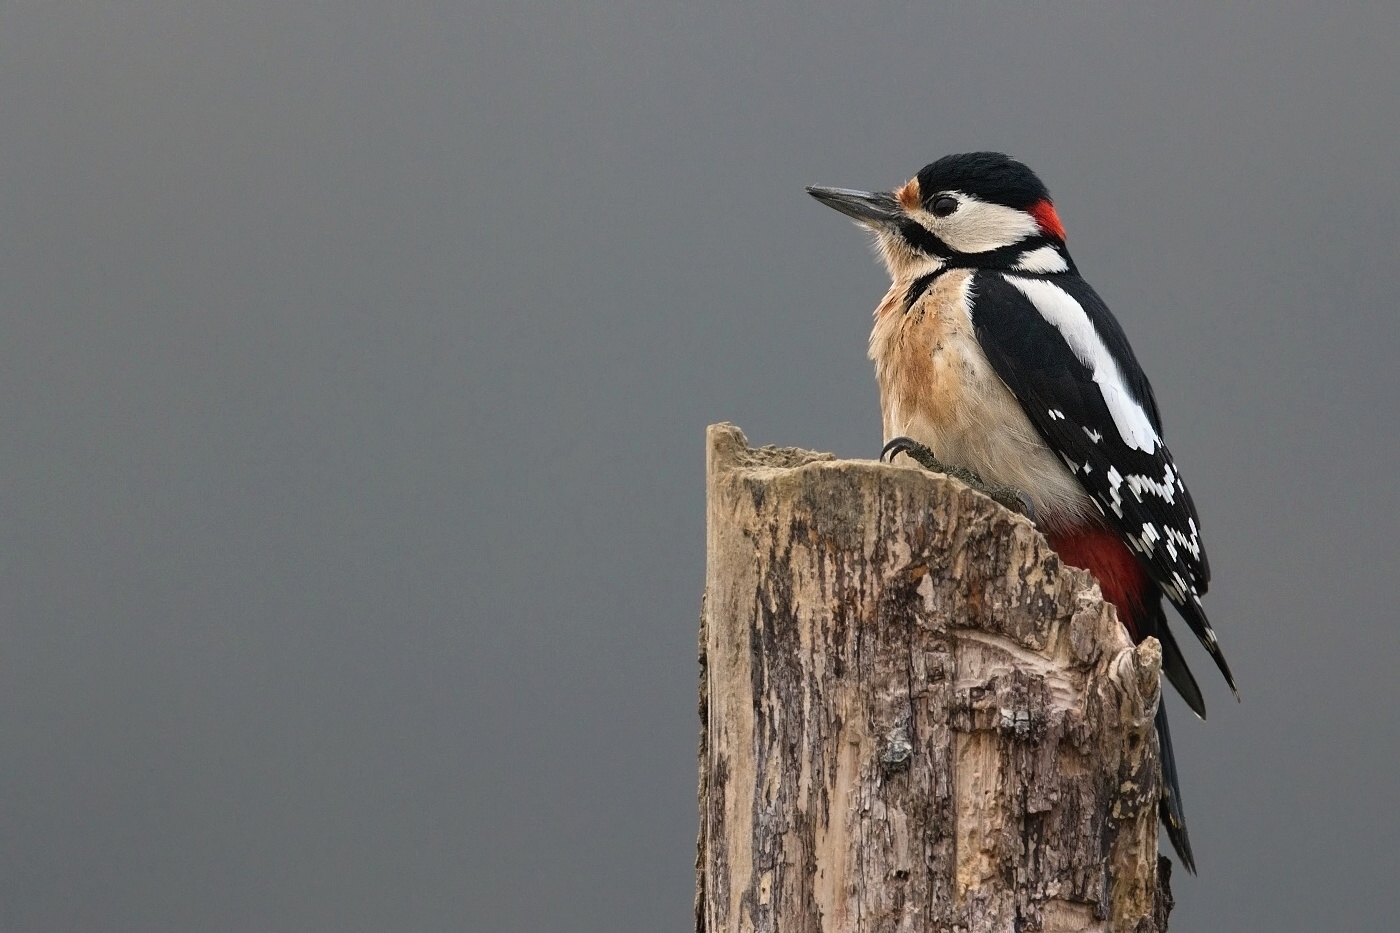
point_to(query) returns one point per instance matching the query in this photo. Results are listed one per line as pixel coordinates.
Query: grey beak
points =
(877, 208)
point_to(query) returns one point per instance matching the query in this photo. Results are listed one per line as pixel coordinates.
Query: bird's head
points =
(973, 210)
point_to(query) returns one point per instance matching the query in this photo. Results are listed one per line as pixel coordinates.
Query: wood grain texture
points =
(914, 717)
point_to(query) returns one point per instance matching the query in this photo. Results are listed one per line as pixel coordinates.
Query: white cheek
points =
(978, 226)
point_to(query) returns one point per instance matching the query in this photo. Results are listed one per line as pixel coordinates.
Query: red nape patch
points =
(1121, 577)
(1044, 214)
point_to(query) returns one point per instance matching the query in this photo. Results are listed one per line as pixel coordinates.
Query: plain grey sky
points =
(355, 368)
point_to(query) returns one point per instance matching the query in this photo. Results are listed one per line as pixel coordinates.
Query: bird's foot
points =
(1009, 496)
(926, 459)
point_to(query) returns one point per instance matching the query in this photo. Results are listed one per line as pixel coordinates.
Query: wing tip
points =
(1218, 657)
(1195, 617)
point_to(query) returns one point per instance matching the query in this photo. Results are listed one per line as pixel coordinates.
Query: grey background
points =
(356, 359)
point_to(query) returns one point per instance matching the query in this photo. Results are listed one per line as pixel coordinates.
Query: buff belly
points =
(937, 387)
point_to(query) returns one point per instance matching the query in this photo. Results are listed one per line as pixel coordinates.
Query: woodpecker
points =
(996, 361)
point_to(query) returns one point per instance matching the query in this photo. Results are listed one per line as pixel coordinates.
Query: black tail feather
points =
(1170, 809)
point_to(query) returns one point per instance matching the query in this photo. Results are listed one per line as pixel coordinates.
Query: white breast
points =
(937, 387)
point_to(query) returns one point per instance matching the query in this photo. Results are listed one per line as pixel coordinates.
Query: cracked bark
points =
(914, 717)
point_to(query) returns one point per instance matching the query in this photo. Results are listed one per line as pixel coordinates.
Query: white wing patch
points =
(1045, 259)
(1059, 308)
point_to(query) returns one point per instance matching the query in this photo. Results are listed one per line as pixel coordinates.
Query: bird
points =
(998, 363)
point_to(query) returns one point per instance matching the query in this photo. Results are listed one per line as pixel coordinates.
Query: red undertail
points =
(1121, 578)
(1125, 584)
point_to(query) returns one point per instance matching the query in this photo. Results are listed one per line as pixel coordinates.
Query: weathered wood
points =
(914, 717)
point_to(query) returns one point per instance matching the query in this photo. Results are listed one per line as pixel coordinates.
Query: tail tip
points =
(1181, 844)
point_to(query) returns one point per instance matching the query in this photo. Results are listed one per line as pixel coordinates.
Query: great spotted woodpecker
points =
(993, 356)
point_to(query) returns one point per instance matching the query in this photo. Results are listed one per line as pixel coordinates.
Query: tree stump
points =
(915, 718)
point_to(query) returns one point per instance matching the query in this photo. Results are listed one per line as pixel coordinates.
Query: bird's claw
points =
(1008, 496)
(916, 451)
(1013, 498)
(920, 454)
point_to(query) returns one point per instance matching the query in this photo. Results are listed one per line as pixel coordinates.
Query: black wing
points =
(1064, 356)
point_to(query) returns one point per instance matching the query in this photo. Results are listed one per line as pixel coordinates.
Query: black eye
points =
(944, 206)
